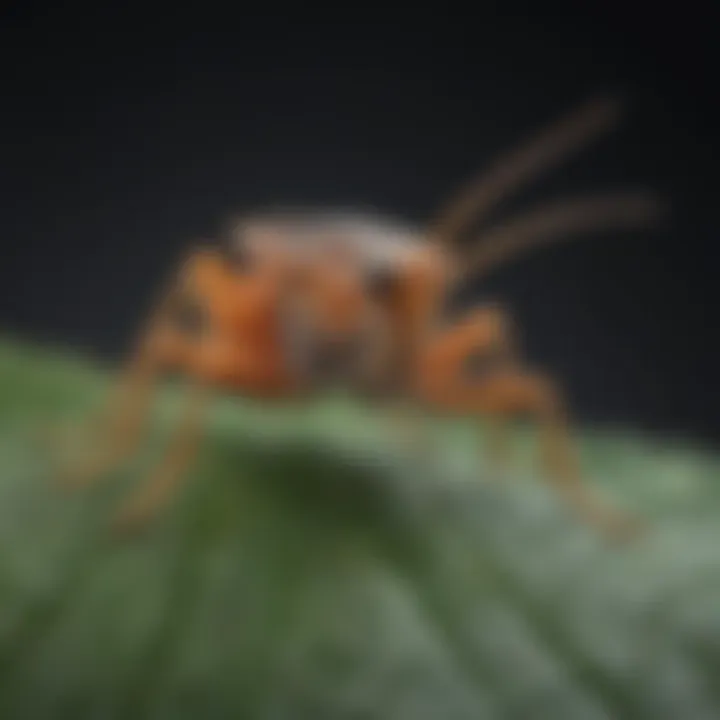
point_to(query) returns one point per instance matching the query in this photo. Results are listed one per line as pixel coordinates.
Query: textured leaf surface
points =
(310, 570)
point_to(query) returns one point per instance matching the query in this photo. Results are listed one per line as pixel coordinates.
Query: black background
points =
(127, 134)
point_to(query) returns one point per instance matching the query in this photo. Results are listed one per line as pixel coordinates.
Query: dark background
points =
(126, 135)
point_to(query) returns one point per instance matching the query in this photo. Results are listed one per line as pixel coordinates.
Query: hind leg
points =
(211, 362)
(216, 362)
(116, 433)
(164, 481)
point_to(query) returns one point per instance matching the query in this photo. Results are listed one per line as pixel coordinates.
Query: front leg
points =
(510, 391)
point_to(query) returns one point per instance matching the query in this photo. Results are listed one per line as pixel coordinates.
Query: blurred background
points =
(129, 134)
(303, 571)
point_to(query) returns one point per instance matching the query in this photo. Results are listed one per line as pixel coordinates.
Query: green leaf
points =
(310, 569)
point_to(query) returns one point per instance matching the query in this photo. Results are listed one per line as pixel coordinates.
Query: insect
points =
(293, 301)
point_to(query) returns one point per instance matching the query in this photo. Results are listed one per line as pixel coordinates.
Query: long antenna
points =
(541, 153)
(553, 222)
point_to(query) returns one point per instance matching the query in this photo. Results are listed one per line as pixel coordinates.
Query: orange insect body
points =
(301, 300)
(242, 351)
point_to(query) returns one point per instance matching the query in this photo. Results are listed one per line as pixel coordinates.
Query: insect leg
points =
(214, 361)
(117, 432)
(507, 392)
(119, 429)
(164, 481)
